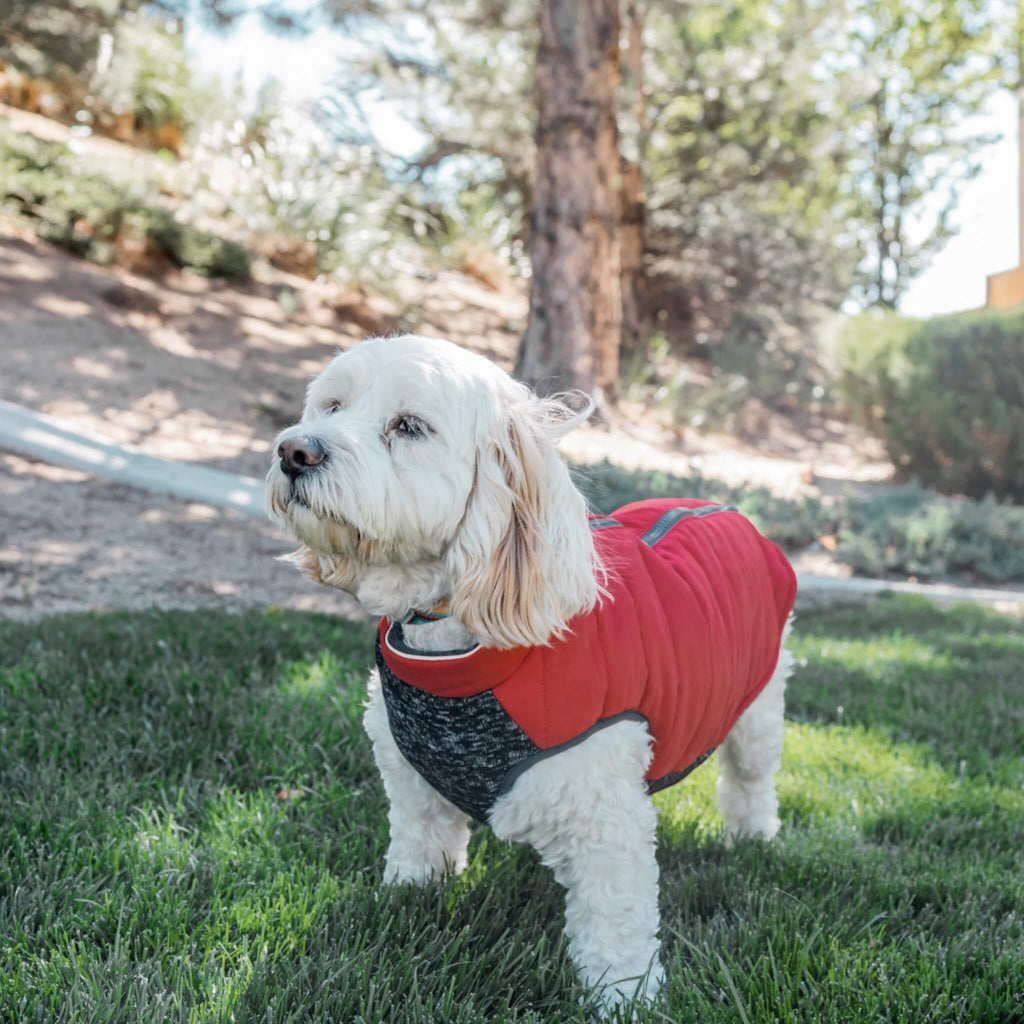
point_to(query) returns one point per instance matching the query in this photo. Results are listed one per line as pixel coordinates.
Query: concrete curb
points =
(812, 585)
(45, 437)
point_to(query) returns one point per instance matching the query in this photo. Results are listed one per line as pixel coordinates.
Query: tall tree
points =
(911, 74)
(459, 72)
(744, 158)
(1017, 81)
(726, 183)
(573, 334)
(632, 233)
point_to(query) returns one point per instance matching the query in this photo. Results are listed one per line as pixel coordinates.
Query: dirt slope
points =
(192, 369)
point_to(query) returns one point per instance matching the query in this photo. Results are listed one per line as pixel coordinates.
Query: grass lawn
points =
(191, 829)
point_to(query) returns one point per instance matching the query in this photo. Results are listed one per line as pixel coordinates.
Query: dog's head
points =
(421, 471)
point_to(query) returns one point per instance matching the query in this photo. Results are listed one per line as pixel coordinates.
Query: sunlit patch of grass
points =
(163, 844)
(910, 652)
(306, 677)
(947, 677)
(851, 780)
(219, 990)
(690, 806)
(844, 774)
(278, 919)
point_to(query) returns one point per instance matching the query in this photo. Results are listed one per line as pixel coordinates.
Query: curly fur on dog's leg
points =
(749, 758)
(428, 834)
(587, 813)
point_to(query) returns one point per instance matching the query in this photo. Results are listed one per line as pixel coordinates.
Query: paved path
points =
(1009, 599)
(45, 437)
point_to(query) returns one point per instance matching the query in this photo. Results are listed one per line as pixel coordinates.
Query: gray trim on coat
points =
(516, 770)
(653, 785)
(395, 639)
(668, 519)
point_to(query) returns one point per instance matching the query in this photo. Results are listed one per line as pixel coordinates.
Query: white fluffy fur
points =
(479, 509)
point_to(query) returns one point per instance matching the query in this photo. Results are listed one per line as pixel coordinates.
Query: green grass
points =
(149, 872)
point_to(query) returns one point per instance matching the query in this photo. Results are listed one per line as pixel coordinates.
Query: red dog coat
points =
(687, 637)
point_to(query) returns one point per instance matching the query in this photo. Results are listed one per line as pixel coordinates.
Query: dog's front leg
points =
(587, 813)
(428, 834)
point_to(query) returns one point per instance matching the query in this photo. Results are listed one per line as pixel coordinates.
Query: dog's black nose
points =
(299, 454)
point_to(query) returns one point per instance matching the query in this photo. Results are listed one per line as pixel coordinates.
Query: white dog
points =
(544, 670)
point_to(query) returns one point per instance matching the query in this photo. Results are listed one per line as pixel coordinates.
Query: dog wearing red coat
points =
(539, 668)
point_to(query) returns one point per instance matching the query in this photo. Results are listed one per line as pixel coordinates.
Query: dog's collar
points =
(416, 617)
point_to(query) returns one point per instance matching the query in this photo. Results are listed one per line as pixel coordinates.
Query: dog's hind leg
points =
(587, 813)
(750, 756)
(429, 835)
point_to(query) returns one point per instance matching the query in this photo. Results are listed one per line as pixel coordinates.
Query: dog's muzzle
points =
(299, 455)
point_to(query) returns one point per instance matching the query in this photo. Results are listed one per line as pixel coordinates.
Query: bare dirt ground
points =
(70, 542)
(183, 368)
(192, 369)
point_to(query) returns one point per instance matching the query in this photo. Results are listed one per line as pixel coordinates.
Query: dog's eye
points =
(409, 427)
(330, 407)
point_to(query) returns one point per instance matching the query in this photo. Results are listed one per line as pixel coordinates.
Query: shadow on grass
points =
(949, 678)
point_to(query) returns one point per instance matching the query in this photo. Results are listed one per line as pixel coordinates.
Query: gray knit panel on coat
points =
(463, 746)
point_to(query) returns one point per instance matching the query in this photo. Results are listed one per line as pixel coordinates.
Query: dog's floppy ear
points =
(523, 562)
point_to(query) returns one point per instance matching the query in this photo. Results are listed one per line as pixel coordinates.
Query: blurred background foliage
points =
(897, 531)
(785, 145)
(944, 395)
(791, 157)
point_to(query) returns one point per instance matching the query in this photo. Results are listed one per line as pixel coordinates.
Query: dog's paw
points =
(418, 871)
(617, 1001)
(765, 830)
(399, 873)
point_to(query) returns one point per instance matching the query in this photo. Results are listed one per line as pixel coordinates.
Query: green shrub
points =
(790, 522)
(946, 396)
(906, 531)
(871, 357)
(87, 213)
(911, 531)
(733, 383)
(200, 251)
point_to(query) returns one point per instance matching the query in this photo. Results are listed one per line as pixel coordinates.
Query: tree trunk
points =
(573, 334)
(632, 233)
